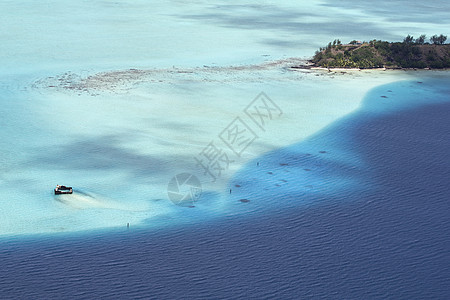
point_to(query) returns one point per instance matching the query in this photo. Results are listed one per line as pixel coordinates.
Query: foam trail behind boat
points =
(85, 200)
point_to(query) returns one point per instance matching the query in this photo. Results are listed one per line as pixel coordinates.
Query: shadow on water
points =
(338, 160)
(386, 241)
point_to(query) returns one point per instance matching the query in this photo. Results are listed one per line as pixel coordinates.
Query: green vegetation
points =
(411, 53)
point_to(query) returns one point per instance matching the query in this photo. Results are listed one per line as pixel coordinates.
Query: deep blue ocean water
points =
(361, 210)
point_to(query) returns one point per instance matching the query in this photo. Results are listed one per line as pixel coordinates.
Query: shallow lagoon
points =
(356, 218)
(120, 141)
(120, 148)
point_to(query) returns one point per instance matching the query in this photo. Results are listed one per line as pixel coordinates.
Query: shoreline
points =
(124, 79)
(312, 66)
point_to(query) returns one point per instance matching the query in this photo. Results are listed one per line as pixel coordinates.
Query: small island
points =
(411, 53)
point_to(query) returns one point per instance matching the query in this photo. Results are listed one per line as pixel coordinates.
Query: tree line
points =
(411, 53)
(421, 40)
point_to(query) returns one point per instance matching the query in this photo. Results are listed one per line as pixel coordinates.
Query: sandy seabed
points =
(115, 99)
(119, 137)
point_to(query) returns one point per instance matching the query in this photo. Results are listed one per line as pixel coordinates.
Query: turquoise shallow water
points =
(120, 149)
(119, 145)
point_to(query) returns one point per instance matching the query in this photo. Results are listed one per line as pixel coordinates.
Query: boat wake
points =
(87, 200)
